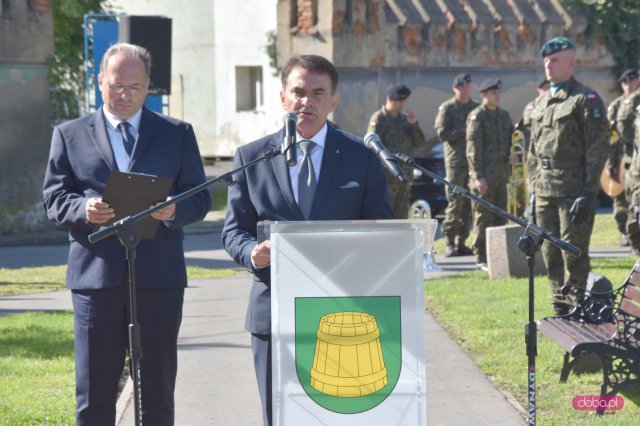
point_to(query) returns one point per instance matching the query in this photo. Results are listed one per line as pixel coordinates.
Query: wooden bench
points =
(605, 324)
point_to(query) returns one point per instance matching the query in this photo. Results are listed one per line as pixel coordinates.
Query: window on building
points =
(248, 88)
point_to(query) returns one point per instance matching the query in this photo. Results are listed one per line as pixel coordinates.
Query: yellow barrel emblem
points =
(348, 360)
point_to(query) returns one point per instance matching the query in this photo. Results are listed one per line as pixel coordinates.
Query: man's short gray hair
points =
(129, 51)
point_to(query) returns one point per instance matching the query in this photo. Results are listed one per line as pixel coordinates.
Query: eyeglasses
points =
(119, 89)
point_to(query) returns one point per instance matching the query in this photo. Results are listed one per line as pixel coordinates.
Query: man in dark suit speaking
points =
(336, 178)
(123, 135)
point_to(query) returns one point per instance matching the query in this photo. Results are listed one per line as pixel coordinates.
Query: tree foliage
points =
(66, 73)
(615, 22)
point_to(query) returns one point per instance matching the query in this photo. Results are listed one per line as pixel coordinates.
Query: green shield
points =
(386, 310)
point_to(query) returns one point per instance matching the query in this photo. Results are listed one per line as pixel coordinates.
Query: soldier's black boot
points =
(624, 242)
(562, 309)
(464, 250)
(451, 250)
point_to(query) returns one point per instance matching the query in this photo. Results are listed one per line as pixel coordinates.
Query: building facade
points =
(425, 43)
(228, 84)
(226, 57)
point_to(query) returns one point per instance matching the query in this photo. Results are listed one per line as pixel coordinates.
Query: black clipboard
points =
(130, 193)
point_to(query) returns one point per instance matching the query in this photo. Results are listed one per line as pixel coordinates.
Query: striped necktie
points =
(127, 138)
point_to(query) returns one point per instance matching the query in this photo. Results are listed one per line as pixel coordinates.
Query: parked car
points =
(428, 197)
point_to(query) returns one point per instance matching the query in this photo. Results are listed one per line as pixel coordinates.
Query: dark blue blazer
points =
(352, 186)
(79, 164)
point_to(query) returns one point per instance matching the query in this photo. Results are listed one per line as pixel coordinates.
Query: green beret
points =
(555, 45)
(490, 84)
(628, 75)
(461, 79)
(398, 92)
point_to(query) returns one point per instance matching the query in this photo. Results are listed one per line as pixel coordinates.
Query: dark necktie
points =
(306, 178)
(127, 138)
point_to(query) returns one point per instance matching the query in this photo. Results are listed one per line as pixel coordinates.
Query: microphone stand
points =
(528, 243)
(127, 233)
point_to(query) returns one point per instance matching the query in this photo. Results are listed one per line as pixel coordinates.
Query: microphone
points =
(388, 159)
(289, 142)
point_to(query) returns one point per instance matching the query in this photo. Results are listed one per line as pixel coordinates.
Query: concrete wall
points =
(363, 91)
(26, 32)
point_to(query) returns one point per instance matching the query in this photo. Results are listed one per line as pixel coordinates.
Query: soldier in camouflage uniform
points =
(451, 128)
(569, 146)
(400, 133)
(632, 180)
(489, 130)
(621, 115)
(542, 88)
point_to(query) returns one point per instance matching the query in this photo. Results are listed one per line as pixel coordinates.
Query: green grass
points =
(32, 280)
(605, 231)
(487, 319)
(52, 278)
(37, 383)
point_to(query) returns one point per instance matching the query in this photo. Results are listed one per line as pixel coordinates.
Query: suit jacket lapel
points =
(145, 134)
(281, 170)
(100, 137)
(331, 162)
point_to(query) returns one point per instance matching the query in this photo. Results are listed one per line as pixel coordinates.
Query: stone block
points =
(504, 258)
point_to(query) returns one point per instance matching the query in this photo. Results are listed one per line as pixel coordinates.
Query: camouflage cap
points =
(628, 75)
(461, 79)
(398, 92)
(490, 84)
(555, 45)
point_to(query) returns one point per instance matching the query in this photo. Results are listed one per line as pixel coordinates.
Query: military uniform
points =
(621, 115)
(450, 126)
(526, 115)
(632, 179)
(526, 121)
(488, 150)
(569, 146)
(398, 135)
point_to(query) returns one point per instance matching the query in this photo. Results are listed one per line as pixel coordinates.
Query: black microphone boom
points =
(289, 143)
(388, 159)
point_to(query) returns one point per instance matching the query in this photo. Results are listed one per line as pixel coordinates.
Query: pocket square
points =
(350, 184)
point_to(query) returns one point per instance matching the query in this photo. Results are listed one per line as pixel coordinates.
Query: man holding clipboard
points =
(123, 136)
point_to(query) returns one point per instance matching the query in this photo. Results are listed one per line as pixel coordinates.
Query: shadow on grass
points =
(43, 338)
(632, 394)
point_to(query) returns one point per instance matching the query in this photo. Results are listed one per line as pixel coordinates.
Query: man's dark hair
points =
(315, 63)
